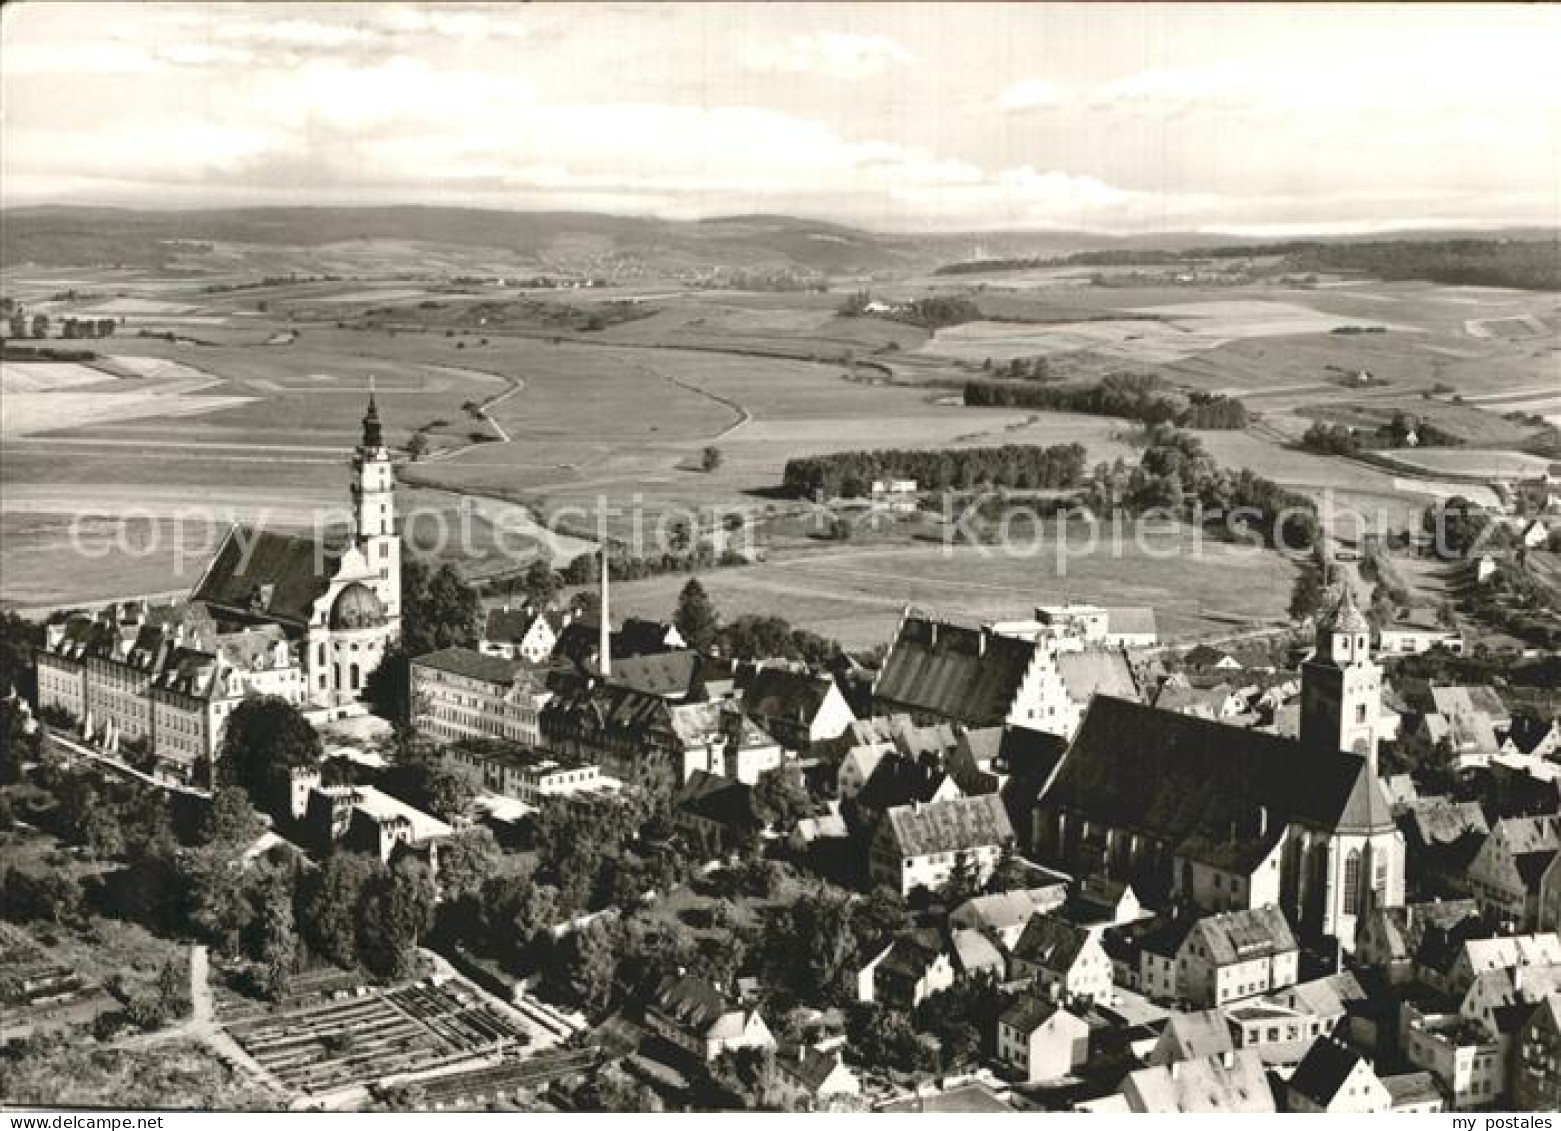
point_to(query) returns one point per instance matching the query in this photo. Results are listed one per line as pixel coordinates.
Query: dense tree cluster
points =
(263, 738)
(1131, 396)
(1178, 474)
(1400, 432)
(438, 610)
(851, 474)
(755, 636)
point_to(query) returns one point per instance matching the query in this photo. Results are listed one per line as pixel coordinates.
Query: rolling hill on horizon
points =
(81, 236)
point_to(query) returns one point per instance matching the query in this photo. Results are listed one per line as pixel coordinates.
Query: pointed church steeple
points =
(373, 435)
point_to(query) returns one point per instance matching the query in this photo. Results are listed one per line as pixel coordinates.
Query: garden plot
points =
(364, 1034)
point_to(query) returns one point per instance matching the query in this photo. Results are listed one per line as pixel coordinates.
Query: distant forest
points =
(851, 474)
(1533, 265)
(1131, 396)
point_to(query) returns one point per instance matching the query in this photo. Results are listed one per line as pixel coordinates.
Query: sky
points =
(1259, 119)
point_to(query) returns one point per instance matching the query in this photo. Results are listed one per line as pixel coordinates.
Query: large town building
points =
(1221, 818)
(306, 619)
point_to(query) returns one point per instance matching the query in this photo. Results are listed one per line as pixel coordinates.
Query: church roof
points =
(953, 671)
(261, 572)
(1171, 776)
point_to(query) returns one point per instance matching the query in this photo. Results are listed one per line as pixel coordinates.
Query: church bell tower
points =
(1341, 686)
(374, 511)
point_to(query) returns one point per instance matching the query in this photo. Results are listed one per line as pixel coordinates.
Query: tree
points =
(541, 582)
(438, 610)
(17, 743)
(20, 640)
(710, 458)
(468, 860)
(231, 819)
(388, 688)
(695, 617)
(46, 894)
(265, 737)
(1307, 594)
(18, 323)
(417, 446)
(398, 910)
(40, 325)
(334, 908)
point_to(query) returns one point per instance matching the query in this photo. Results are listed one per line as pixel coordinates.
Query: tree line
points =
(851, 474)
(1131, 396)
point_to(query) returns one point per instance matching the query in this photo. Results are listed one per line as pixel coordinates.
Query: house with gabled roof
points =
(1039, 1040)
(1335, 1079)
(909, 968)
(1065, 962)
(1505, 875)
(1389, 938)
(1193, 1036)
(527, 632)
(697, 1017)
(814, 1079)
(1005, 914)
(924, 845)
(799, 708)
(939, 671)
(1236, 955)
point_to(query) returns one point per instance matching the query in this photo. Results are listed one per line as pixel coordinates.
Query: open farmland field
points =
(1487, 464)
(252, 410)
(857, 595)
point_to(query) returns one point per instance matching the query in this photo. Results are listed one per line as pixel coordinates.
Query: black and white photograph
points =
(847, 557)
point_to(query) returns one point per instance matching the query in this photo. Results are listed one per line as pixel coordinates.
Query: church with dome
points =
(338, 599)
(304, 618)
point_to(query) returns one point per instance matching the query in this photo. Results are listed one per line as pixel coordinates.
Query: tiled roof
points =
(1412, 1088)
(778, 693)
(1028, 1013)
(1097, 671)
(957, 825)
(1238, 936)
(673, 675)
(897, 780)
(953, 671)
(265, 573)
(1323, 1070)
(723, 800)
(1051, 942)
(1196, 1035)
(471, 664)
(1236, 1083)
(1171, 776)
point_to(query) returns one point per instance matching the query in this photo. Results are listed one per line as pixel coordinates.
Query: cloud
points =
(834, 54)
(1028, 94)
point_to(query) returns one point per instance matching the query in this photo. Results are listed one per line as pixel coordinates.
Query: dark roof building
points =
(936, 670)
